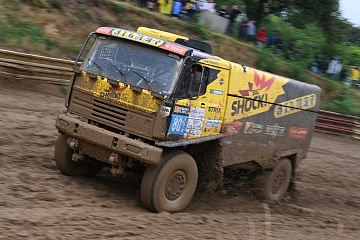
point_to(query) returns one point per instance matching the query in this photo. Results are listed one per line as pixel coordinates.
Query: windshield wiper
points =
(121, 73)
(97, 65)
(143, 78)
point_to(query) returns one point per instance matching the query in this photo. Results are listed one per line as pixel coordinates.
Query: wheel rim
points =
(278, 182)
(175, 185)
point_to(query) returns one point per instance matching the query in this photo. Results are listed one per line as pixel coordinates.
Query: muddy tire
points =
(170, 186)
(272, 184)
(63, 154)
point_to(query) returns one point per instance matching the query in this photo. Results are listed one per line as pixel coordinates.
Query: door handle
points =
(203, 105)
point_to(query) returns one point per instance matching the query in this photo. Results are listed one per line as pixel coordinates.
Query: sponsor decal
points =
(132, 36)
(104, 30)
(251, 128)
(294, 105)
(231, 128)
(257, 93)
(171, 47)
(112, 92)
(115, 93)
(197, 113)
(165, 111)
(187, 126)
(245, 105)
(298, 133)
(194, 127)
(260, 83)
(178, 124)
(217, 92)
(274, 130)
(212, 124)
(182, 110)
(195, 122)
(120, 89)
(214, 109)
(211, 62)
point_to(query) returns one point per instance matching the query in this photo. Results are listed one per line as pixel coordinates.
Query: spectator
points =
(165, 6)
(315, 68)
(334, 67)
(142, 3)
(192, 9)
(251, 31)
(151, 4)
(210, 6)
(233, 14)
(243, 28)
(177, 7)
(201, 4)
(279, 45)
(271, 41)
(343, 74)
(261, 37)
(321, 63)
(293, 49)
(223, 12)
(184, 14)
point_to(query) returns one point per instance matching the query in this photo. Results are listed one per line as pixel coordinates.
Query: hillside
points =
(58, 29)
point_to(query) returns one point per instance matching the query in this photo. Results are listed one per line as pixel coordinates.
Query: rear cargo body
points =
(267, 117)
(160, 107)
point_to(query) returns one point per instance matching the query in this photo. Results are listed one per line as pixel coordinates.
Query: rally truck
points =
(162, 109)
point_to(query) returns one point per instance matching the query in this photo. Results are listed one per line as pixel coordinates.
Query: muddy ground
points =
(38, 202)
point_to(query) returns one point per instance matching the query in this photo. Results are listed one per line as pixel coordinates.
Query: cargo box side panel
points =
(267, 117)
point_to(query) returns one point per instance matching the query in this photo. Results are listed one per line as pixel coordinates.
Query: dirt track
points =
(37, 202)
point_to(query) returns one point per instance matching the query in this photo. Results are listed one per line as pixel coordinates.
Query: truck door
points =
(211, 99)
(201, 113)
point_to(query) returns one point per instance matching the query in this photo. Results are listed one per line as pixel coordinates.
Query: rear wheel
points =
(273, 184)
(64, 162)
(170, 186)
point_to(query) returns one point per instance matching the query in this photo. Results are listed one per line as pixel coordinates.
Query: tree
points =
(324, 12)
(301, 12)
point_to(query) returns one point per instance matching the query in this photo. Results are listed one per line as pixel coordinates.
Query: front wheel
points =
(273, 184)
(64, 162)
(170, 186)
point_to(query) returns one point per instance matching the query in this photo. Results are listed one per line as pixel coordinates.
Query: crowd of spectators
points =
(333, 68)
(237, 21)
(178, 8)
(246, 29)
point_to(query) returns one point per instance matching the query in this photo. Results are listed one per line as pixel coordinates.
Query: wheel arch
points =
(208, 157)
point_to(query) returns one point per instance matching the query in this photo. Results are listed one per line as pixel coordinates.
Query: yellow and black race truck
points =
(161, 108)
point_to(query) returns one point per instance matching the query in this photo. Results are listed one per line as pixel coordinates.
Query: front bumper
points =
(70, 124)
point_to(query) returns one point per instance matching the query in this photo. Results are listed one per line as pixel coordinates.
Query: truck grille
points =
(111, 116)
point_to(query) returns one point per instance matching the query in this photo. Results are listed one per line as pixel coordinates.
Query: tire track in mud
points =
(339, 155)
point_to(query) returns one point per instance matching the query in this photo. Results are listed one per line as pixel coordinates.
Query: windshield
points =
(133, 63)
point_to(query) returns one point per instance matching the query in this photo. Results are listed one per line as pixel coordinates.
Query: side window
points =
(86, 48)
(194, 81)
(185, 82)
(199, 80)
(204, 81)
